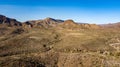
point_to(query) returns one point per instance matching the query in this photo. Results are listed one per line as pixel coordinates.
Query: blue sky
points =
(85, 11)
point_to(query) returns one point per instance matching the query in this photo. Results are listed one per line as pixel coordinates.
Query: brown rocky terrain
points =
(57, 43)
(67, 24)
(9, 21)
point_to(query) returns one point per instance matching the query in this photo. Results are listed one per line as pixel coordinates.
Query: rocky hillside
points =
(9, 21)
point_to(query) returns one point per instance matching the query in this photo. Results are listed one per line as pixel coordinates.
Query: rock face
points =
(9, 21)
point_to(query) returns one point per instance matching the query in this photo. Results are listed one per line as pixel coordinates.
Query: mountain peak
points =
(69, 22)
(9, 21)
(49, 19)
(2, 15)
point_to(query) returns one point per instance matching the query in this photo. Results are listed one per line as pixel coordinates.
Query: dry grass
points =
(39, 47)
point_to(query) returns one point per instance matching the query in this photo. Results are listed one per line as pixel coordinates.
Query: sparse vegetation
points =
(59, 46)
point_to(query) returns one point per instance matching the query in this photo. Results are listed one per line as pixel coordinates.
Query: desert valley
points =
(58, 43)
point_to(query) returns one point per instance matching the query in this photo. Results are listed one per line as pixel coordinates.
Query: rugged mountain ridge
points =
(50, 22)
(67, 24)
(10, 25)
(9, 21)
(46, 23)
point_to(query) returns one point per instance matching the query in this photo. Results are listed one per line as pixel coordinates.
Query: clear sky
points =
(85, 11)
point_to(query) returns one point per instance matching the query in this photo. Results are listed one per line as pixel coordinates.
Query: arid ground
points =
(58, 43)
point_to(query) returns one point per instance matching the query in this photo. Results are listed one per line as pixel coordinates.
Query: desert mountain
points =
(67, 24)
(112, 25)
(9, 21)
(70, 24)
(56, 43)
(46, 23)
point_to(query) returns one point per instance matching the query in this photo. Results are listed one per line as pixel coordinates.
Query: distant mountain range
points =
(47, 22)
(50, 22)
